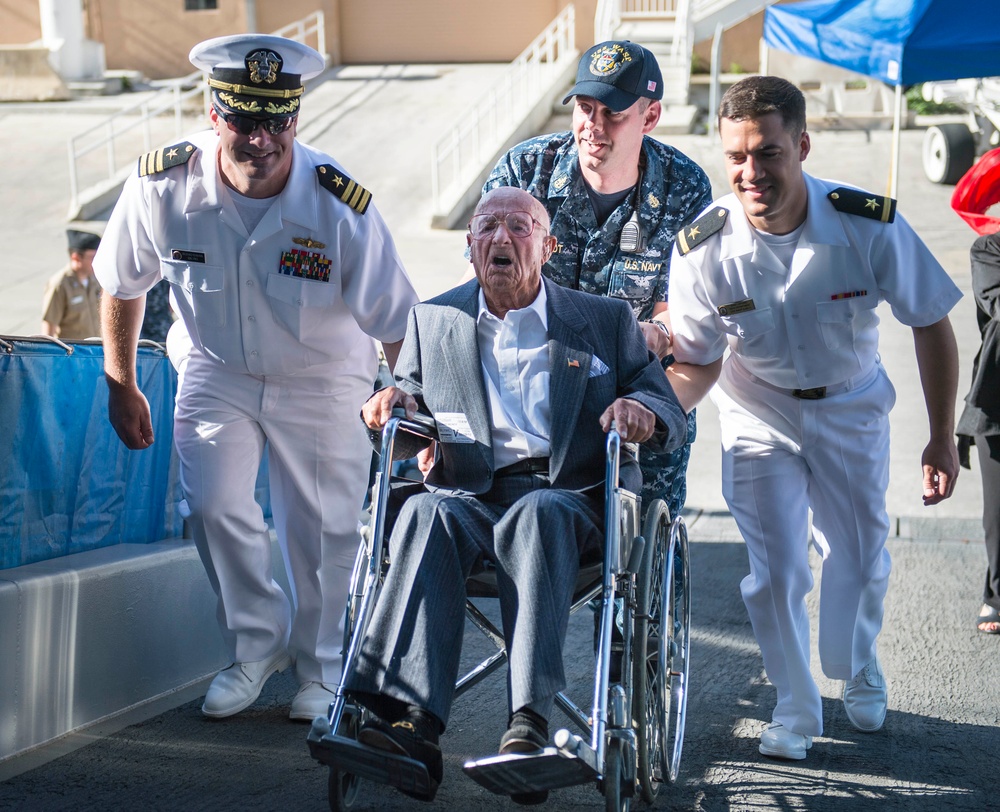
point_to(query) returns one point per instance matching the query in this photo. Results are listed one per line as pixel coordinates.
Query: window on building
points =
(200, 5)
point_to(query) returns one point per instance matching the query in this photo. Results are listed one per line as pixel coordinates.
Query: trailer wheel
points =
(949, 152)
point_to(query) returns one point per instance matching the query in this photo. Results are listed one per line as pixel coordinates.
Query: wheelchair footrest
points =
(349, 756)
(529, 772)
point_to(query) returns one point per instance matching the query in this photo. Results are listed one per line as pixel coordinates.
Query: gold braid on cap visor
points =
(252, 107)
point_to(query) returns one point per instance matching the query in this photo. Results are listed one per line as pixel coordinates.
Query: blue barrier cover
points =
(67, 483)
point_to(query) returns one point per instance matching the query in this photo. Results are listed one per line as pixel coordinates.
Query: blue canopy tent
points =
(900, 42)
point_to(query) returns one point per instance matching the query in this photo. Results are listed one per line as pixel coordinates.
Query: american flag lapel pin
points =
(573, 363)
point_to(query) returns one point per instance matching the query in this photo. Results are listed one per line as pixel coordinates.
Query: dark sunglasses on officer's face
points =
(245, 125)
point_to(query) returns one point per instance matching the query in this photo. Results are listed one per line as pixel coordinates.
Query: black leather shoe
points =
(527, 733)
(403, 739)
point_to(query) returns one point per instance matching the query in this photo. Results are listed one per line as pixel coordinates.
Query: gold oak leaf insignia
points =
(870, 203)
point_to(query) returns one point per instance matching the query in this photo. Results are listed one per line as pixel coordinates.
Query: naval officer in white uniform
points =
(283, 275)
(786, 273)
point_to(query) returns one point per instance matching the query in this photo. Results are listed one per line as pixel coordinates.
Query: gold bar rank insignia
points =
(165, 158)
(342, 187)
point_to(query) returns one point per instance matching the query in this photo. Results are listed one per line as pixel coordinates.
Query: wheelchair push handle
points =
(421, 421)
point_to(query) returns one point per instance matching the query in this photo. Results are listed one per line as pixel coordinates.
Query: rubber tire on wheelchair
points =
(647, 704)
(949, 151)
(342, 788)
(616, 777)
(675, 649)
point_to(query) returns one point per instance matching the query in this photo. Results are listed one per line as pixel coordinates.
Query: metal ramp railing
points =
(474, 141)
(142, 126)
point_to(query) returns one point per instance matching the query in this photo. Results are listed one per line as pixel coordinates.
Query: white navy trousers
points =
(318, 464)
(781, 457)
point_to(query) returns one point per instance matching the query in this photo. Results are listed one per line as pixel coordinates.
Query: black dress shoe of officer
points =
(528, 732)
(414, 736)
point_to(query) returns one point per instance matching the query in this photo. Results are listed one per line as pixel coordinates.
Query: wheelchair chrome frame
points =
(611, 717)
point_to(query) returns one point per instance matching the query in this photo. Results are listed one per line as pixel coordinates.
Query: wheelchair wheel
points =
(661, 649)
(675, 649)
(619, 776)
(342, 788)
(647, 678)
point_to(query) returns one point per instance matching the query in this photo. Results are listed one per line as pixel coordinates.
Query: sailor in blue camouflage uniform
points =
(616, 198)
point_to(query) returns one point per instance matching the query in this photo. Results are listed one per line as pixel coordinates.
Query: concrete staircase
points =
(670, 28)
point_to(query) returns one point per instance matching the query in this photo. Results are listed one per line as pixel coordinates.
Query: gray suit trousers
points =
(533, 535)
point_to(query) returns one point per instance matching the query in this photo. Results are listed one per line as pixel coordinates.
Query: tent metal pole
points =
(715, 88)
(897, 120)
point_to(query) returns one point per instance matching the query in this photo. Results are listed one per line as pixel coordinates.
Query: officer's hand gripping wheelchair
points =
(633, 736)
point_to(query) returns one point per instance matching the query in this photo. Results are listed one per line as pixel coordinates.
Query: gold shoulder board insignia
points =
(165, 158)
(355, 196)
(865, 204)
(691, 236)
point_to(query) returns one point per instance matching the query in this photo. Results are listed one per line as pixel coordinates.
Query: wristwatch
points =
(661, 326)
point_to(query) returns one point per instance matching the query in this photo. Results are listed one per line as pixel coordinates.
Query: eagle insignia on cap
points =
(263, 66)
(608, 60)
(342, 187)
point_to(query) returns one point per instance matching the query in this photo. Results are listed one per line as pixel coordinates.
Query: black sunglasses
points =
(245, 125)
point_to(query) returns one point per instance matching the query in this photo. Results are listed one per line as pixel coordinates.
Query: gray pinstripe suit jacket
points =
(440, 366)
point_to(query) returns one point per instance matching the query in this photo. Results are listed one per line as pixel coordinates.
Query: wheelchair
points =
(633, 733)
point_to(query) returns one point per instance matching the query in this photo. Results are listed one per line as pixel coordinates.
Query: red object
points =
(976, 191)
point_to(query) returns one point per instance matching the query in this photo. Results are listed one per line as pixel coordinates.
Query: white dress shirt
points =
(514, 352)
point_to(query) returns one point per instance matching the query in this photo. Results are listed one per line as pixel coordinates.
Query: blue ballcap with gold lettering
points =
(618, 74)
(257, 75)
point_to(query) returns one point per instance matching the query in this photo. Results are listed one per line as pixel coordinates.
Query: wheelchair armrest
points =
(405, 435)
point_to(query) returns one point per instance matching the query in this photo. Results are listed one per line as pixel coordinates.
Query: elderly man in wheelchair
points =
(524, 381)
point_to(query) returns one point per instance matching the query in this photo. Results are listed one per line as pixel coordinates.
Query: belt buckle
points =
(816, 393)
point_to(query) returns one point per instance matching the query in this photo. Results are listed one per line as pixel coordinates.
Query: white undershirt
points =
(251, 209)
(514, 354)
(782, 245)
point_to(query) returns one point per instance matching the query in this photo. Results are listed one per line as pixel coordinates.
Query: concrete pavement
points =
(936, 749)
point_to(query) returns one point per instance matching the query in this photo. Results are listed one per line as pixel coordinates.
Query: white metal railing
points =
(478, 135)
(175, 96)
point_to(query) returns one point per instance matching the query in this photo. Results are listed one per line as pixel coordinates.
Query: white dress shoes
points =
(866, 697)
(777, 741)
(238, 686)
(312, 700)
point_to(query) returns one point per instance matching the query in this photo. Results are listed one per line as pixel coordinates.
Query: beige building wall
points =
(740, 48)
(450, 30)
(19, 22)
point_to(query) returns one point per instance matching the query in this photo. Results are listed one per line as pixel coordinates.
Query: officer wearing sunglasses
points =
(283, 276)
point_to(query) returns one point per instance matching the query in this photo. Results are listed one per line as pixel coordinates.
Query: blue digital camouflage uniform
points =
(674, 189)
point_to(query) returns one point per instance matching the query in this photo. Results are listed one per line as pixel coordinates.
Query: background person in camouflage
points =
(616, 198)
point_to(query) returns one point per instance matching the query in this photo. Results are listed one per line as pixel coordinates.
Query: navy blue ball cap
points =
(618, 74)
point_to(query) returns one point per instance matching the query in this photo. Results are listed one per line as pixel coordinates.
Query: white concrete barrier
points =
(91, 635)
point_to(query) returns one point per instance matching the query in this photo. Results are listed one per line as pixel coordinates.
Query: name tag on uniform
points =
(735, 308)
(187, 256)
(453, 427)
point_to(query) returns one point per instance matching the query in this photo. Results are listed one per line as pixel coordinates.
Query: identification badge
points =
(453, 427)
(187, 256)
(735, 308)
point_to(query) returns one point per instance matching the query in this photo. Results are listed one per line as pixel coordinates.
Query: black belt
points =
(531, 465)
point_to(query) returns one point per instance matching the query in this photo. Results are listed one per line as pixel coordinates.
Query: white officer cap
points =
(257, 74)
